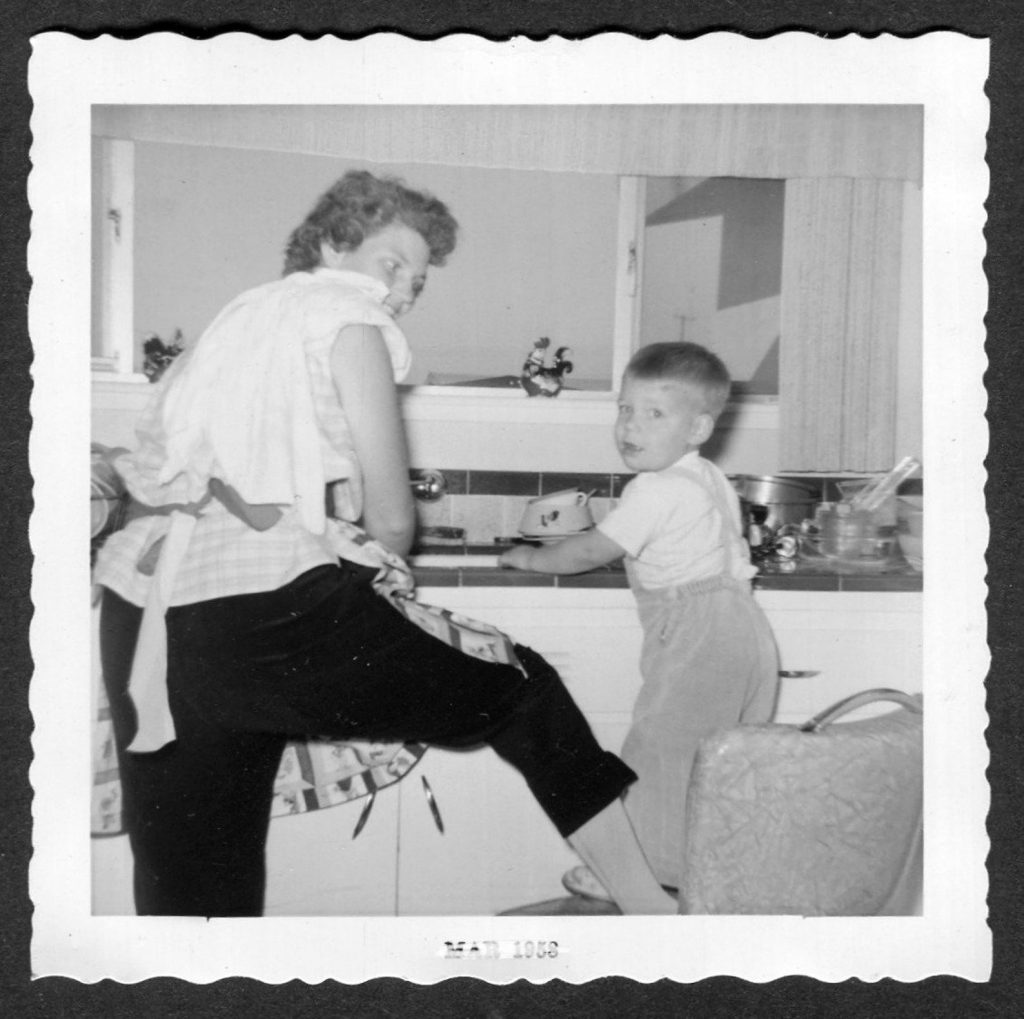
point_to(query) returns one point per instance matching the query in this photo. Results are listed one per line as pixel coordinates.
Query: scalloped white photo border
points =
(944, 72)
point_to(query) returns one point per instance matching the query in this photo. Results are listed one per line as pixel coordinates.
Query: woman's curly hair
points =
(359, 205)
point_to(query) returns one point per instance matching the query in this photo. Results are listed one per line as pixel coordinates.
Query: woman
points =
(236, 616)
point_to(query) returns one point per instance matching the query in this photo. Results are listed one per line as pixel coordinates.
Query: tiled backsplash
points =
(531, 483)
(490, 504)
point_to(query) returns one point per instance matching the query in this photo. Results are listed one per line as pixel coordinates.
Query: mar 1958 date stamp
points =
(474, 950)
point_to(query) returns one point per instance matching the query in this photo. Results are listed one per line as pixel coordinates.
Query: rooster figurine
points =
(537, 378)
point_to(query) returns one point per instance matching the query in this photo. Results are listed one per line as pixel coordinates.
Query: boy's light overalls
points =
(709, 661)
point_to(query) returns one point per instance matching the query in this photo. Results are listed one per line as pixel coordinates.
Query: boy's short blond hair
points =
(685, 362)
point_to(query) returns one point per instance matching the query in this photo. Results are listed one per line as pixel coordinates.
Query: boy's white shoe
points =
(581, 880)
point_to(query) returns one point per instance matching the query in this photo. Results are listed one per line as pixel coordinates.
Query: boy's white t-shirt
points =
(672, 529)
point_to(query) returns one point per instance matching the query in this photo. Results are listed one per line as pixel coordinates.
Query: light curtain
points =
(840, 319)
(810, 140)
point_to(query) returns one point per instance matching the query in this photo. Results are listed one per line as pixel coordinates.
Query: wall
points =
(536, 254)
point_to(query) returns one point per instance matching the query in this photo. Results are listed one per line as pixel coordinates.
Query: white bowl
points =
(542, 519)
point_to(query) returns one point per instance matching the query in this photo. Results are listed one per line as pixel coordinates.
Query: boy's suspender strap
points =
(730, 532)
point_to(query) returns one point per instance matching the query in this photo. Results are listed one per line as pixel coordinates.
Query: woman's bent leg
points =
(328, 657)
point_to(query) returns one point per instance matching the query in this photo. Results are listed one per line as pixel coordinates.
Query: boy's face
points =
(659, 421)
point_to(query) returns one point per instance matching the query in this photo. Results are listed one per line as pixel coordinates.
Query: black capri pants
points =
(325, 657)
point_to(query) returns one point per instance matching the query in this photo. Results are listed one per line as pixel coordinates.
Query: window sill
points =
(447, 403)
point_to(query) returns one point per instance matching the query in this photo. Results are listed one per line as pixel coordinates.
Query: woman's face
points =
(396, 255)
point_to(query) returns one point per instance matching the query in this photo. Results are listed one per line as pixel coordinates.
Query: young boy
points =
(708, 659)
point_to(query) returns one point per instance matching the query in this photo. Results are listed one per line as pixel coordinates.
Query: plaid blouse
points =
(225, 555)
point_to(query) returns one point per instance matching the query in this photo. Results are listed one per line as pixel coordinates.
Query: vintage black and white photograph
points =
(507, 550)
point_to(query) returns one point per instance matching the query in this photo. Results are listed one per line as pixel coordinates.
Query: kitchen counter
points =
(799, 574)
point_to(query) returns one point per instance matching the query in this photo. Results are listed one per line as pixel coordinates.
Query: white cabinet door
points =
(853, 641)
(498, 850)
(591, 636)
(112, 876)
(316, 868)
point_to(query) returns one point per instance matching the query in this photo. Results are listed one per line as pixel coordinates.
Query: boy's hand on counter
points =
(517, 558)
(574, 554)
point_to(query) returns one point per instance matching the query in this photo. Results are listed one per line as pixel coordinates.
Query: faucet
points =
(428, 485)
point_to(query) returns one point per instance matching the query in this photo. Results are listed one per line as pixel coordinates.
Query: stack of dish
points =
(550, 539)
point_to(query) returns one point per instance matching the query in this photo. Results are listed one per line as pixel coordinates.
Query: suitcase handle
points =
(820, 720)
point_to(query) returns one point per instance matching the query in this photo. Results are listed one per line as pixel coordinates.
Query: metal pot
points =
(787, 500)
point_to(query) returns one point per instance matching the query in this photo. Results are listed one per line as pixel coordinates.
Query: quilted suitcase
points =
(822, 819)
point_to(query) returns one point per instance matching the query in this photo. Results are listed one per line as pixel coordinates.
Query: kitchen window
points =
(710, 272)
(113, 252)
(605, 264)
